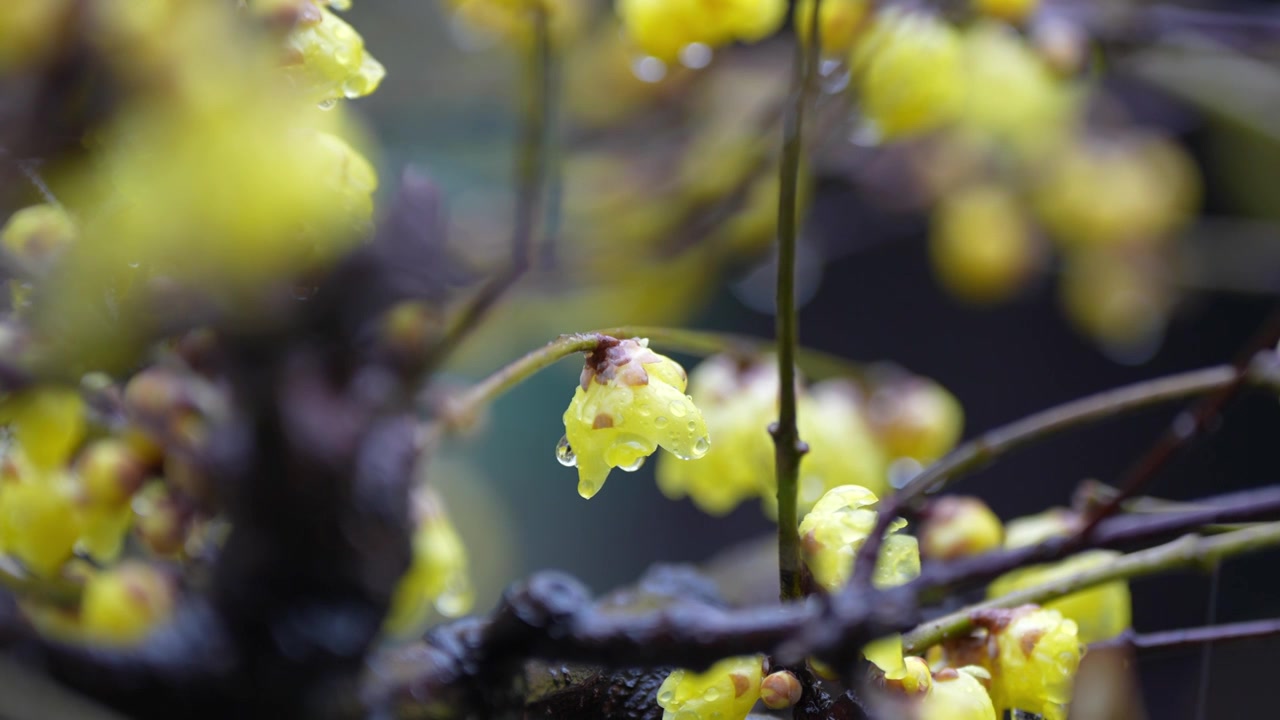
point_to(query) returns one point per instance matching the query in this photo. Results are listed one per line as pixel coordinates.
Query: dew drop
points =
(677, 409)
(327, 103)
(695, 56)
(564, 453)
(135, 265)
(649, 69)
(701, 446)
(666, 696)
(711, 694)
(691, 425)
(660, 421)
(587, 489)
(644, 411)
(639, 463)
(342, 57)
(353, 88)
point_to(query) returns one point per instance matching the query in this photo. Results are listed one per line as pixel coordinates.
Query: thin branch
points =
(1262, 504)
(531, 176)
(1044, 424)
(1188, 551)
(1186, 426)
(1192, 637)
(789, 449)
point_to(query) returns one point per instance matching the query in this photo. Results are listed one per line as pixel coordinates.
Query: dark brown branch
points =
(1192, 637)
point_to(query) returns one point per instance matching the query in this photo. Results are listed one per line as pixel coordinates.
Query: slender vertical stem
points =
(788, 447)
(531, 174)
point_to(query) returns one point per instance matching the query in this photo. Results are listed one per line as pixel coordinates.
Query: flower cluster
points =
(665, 28)
(630, 400)
(853, 432)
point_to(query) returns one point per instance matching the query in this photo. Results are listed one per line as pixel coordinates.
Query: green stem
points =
(1187, 551)
(789, 449)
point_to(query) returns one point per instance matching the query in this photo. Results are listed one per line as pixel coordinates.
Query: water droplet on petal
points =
(701, 446)
(327, 103)
(564, 453)
(660, 421)
(353, 88)
(695, 56)
(677, 409)
(644, 411)
(587, 489)
(639, 463)
(666, 696)
(649, 69)
(835, 76)
(692, 425)
(711, 694)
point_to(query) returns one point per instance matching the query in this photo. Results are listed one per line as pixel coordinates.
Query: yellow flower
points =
(1009, 10)
(909, 73)
(739, 402)
(840, 22)
(727, 691)
(630, 401)
(914, 417)
(662, 28)
(833, 532)
(47, 423)
(35, 235)
(982, 245)
(1100, 612)
(956, 526)
(122, 605)
(329, 59)
(957, 695)
(437, 576)
(39, 522)
(1033, 661)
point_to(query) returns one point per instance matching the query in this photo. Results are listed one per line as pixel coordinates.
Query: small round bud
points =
(780, 690)
(36, 234)
(109, 472)
(957, 526)
(410, 329)
(122, 605)
(913, 678)
(916, 418)
(154, 393)
(162, 521)
(981, 244)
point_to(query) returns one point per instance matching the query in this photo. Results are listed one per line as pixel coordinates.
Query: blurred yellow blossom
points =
(1100, 612)
(437, 576)
(663, 28)
(834, 530)
(726, 691)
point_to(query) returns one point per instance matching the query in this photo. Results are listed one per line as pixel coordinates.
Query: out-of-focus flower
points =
(840, 22)
(663, 28)
(1100, 612)
(47, 424)
(1008, 10)
(909, 73)
(958, 695)
(739, 400)
(325, 55)
(833, 532)
(956, 526)
(438, 575)
(914, 417)
(727, 690)
(122, 605)
(981, 245)
(630, 402)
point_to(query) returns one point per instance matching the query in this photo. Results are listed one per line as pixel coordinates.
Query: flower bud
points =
(123, 604)
(915, 417)
(727, 690)
(109, 472)
(780, 690)
(956, 526)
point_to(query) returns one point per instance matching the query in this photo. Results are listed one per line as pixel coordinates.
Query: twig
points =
(1192, 637)
(789, 449)
(531, 175)
(1118, 532)
(1186, 426)
(983, 449)
(1188, 551)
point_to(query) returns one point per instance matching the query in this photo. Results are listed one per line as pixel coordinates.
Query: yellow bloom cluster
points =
(726, 691)
(834, 530)
(437, 577)
(255, 180)
(982, 245)
(739, 401)
(910, 71)
(663, 28)
(630, 401)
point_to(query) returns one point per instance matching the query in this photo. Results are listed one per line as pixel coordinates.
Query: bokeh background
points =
(447, 106)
